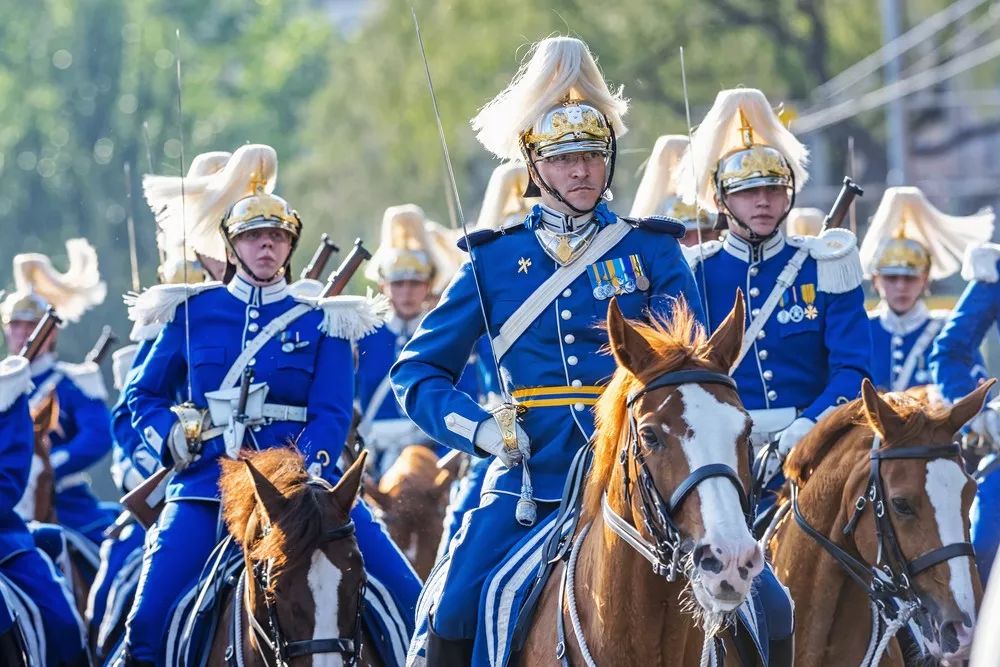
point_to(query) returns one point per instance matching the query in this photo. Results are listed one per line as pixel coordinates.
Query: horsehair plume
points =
(71, 293)
(719, 134)
(208, 196)
(657, 182)
(296, 531)
(555, 68)
(404, 230)
(504, 198)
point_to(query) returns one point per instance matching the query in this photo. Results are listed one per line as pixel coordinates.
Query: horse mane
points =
(297, 531)
(680, 342)
(830, 434)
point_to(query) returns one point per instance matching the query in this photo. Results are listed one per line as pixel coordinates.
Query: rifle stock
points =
(338, 280)
(849, 191)
(99, 352)
(41, 334)
(145, 501)
(314, 269)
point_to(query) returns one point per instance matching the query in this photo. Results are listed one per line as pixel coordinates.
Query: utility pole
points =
(895, 114)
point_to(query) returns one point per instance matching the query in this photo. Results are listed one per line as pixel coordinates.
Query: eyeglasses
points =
(567, 160)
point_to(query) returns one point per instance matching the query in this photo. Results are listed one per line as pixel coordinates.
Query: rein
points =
(888, 581)
(274, 639)
(665, 551)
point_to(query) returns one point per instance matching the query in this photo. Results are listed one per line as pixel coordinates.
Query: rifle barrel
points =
(314, 269)
(339, 279)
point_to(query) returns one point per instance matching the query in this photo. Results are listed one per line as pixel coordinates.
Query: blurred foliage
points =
(349, 111)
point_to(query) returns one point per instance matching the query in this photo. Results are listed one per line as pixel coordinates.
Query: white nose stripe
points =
(324, 584)
(945, 481)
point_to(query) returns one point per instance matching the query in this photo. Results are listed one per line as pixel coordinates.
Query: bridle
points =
(888, 581)
(274, 639)
(665, 551)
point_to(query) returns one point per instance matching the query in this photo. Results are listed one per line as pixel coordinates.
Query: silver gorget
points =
(565, 238)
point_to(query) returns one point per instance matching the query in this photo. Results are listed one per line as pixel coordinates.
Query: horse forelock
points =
(297, 531)
(679, 343)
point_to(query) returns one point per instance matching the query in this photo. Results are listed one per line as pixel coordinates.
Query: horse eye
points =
(902, 507)
(649, 438)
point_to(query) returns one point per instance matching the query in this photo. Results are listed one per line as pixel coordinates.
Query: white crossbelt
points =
(785, 279)
(541, 298)
(273, 328)
(44, 390)
(916, 354)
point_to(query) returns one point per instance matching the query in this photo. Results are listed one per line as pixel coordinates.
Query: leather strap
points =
(273, 328)
(541, 298)
(916, 354)
(785, 279)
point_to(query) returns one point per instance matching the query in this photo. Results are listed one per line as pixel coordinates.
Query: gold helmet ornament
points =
(740, 144)
(804, 222)
(909, 236)
(657, 192)
(557, 103)
(38, 285)
(504, 202)
(405, 251)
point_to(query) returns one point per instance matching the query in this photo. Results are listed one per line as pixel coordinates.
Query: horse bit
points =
(892, 573)
(273, 637)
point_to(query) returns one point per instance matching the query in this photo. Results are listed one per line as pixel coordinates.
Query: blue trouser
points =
(178, 546)
(487, 535)
(114, 552)
(40, 580)
(464, 497)
(79, 509)
(985, 515)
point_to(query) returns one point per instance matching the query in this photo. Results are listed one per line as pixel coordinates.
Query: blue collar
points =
(744, 250)
(257, 296)
(562, 223)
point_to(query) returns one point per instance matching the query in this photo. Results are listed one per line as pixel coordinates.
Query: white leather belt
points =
(767, 423)
(270, 412)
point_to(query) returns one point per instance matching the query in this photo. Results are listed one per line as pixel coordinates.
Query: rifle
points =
(338, 280)
(99, 352)
(41, 334)
(314, 269)
(848, 192)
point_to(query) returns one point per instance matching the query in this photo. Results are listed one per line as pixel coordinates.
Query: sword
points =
(99, 352)
(506, 414)
(697, 204)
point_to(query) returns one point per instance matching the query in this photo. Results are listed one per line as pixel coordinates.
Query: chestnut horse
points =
(412, 497)
(300, 595)
(669, 486)
(878, 496)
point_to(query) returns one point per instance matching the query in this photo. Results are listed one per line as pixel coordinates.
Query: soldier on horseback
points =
(542, 284)
(298, 352)
(82, 438)
(42, 595)
(807, 345)
(910, 243)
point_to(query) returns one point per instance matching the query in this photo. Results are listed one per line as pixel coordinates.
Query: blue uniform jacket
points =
(956, 349)
(302, 367)
(893, 339)
(16, 450)
(811, 358)
(131, 459)
(561, 351)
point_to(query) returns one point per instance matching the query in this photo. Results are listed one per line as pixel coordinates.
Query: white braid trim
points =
(351, 317)
(159, 303)
(981, 263)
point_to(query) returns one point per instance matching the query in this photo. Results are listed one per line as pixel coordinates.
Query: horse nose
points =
(728, 572)
(955, 640)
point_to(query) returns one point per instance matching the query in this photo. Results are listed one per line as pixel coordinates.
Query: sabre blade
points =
(694, 178)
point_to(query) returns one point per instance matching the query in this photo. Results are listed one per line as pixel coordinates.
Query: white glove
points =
(987, 425)
(180, 449)
(791, 435)
(489, 439)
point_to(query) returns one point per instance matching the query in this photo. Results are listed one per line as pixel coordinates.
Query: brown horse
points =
(299, 599)
(412, 497)
(668, 485)
(880, 479)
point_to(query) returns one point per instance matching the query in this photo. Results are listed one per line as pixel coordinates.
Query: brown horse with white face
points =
(299, 599)
(879, 486)
(668, 486)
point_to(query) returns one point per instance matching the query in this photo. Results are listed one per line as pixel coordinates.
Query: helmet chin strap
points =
(540, 182)
(282, 271)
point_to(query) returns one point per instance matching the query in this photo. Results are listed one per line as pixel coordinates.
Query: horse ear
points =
(725, 343)
(880, 414)
(969, 406)
(346, 491)
(631, 350)
(269, 499)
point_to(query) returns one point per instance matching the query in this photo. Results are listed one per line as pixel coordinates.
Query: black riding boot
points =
(11, 651)
(443, 652)
(781, 652)
(134, 662)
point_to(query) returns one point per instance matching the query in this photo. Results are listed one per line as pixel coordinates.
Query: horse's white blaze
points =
(715, 430)
(324, 584)
(945, 481)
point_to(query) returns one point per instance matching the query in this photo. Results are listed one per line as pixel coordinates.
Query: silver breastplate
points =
(565, 247)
